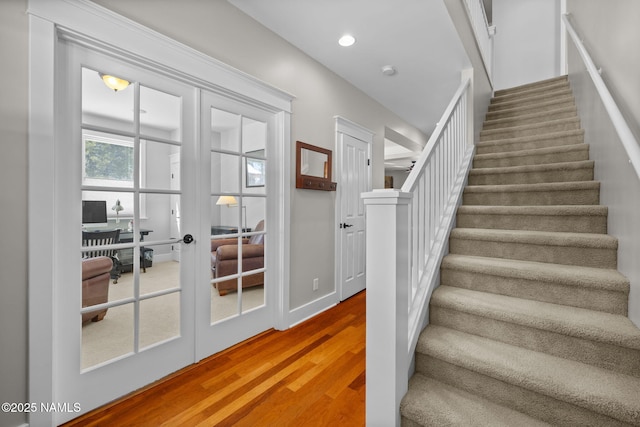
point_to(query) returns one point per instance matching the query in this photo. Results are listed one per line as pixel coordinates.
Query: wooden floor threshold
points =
(312, 374)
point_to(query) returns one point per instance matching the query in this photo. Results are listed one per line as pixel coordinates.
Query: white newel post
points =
(387, 304)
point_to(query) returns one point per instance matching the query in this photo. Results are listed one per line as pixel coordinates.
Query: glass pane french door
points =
(235, 143)
(126, 297)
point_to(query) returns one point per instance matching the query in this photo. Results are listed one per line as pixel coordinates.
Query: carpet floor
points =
(159, 318)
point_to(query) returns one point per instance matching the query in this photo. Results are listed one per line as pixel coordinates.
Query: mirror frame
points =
(310, 182)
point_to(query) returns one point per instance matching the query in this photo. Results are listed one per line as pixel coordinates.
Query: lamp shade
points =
(117, 207)
(227, 200)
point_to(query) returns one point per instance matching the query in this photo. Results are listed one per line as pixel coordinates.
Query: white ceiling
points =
(417, 37)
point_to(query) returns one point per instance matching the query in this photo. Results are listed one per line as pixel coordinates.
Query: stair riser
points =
(532, 86)
(528, 101)
(525, 198)
(525, 120)
(538, 290)
(563, 223)
(567, 102)
(602, 355)
(566, 255)
(548, 127)
(530, 144)
(576, 175)
(577, 155)
(527, 401)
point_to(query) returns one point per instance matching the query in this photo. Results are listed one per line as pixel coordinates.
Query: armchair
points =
(224, 261)
(95, 285)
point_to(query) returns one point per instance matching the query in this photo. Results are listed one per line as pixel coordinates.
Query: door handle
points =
(188, 238)
(345, 225)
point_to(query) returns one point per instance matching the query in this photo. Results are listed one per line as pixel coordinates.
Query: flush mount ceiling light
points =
(389, 70)
(115, 83)
(346, 40)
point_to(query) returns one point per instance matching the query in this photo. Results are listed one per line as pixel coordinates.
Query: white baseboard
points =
(313, 308)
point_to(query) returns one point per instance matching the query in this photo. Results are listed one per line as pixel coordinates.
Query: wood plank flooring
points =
(310, 375)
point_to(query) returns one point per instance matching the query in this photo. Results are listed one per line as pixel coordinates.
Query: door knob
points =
(188, 238)
(345, 225)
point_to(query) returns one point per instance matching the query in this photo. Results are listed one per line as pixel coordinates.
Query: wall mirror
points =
(313, 167)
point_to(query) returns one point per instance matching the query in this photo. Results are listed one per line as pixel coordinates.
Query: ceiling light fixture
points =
(389, 70)
(113, 82)
(346, 40)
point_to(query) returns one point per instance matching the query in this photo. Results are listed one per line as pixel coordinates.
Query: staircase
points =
(529, 325)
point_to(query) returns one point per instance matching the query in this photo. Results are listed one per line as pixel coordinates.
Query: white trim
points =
(41, 227)
(83, 20)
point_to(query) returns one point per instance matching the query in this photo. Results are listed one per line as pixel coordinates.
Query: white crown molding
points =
(84, 22)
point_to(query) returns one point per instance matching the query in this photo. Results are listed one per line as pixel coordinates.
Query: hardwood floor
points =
(310, 375)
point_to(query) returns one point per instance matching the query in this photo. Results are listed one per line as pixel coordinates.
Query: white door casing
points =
(353, 150)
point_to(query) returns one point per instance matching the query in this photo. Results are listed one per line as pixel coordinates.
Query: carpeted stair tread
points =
(432, 403)
(546, 115)
(552, 193)
(577, 286)
(599, 390)
(530, 99)
(552, 103)
(566, 218)
(557, 210)
(527, 92)
(572, 321)
(534, 129)
(528, 86)
(582, 240)
(590, 250)
(529, 174)
(546, 155)
(551, 139)
(570, 275)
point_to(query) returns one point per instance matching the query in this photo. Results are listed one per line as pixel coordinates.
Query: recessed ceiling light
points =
(389, 70)
(346, 40)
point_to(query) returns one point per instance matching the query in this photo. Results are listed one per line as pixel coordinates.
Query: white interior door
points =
(118, 329)
(235, 299)
(354, 179)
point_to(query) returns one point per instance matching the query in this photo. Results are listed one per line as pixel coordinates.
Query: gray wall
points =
(13, 187)
(223, 32)
(13, 184)
(527, 41)
(611, 35)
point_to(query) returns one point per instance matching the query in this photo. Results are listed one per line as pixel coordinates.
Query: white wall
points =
(527, 42)
(610, 30)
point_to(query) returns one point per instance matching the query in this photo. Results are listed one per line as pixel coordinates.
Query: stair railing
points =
(483, 31)
(407, 236)
(617, 119)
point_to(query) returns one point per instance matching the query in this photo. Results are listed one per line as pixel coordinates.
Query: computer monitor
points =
(94, 212)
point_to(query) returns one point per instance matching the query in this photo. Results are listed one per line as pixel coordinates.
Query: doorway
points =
(353, 146)
(91, 349)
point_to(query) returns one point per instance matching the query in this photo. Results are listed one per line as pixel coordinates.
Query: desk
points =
(126, 255)
(226, 229)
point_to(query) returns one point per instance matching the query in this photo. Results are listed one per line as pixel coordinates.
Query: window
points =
(107, 161)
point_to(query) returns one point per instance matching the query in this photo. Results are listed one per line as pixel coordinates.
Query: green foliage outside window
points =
(108, 161)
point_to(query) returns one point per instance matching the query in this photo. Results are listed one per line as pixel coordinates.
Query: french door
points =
(151, 177)
(121, 327)
(236, 151)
